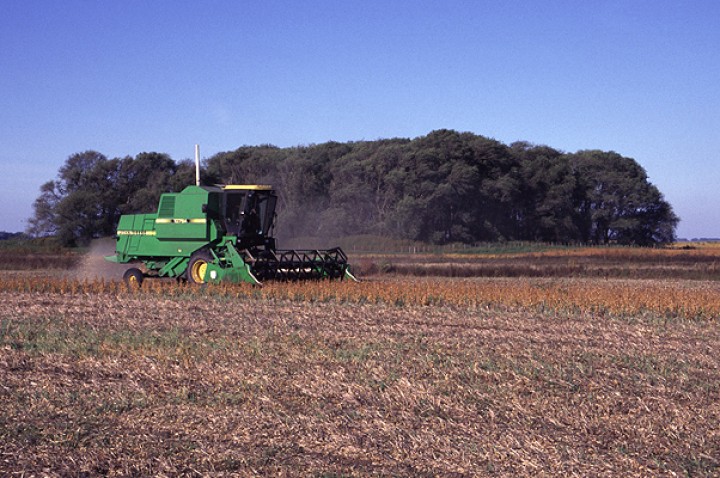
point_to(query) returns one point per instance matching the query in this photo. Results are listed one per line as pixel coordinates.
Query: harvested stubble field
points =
(390, 377)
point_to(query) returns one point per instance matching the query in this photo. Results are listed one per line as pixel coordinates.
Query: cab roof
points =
(227, 187)
(253, 187)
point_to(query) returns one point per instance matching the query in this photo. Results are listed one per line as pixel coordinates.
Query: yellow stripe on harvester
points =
(180, 221)
(136, 233)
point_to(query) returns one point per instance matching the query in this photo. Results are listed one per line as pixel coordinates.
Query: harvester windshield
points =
(249, 214)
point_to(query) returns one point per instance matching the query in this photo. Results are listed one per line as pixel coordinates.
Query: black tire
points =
(197, 266)
(133, 278)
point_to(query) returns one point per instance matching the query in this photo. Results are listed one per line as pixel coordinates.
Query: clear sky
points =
(121, 77)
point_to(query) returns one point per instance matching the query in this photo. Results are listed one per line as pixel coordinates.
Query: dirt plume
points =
(93, 265)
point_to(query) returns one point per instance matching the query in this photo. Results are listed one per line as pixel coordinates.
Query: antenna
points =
(197, 165)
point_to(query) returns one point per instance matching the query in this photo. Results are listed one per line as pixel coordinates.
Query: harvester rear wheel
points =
(133, 278)
(197, 267)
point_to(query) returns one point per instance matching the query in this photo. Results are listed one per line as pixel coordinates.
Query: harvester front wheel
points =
(133, 278)
(198, 267)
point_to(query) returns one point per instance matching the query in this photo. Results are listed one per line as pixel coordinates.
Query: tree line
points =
(444, 187)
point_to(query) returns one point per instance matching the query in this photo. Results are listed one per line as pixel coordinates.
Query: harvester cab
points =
(248, 213)
(218, 233)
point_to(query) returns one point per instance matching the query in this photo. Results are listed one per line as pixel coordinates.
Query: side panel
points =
(181, 216)
(135, 232)
(179, 228)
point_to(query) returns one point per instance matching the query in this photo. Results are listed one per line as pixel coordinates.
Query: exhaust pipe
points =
(197, 165)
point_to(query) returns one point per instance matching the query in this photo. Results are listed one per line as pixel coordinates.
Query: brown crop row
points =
(669, 299)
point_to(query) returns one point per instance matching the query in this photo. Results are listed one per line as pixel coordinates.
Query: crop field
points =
(412, 372)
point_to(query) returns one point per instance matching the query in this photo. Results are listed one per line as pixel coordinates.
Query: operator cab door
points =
(265, 207)
(233, 212)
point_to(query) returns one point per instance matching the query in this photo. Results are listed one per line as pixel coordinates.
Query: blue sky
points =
(638, 77)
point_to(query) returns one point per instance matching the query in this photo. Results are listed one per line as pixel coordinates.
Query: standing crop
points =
(682, 299)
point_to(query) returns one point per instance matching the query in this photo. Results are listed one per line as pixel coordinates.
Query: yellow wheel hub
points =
(198, 271)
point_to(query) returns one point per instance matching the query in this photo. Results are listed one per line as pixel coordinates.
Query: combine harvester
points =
(212, 234)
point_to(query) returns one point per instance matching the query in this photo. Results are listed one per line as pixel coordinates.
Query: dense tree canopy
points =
(443, 187)
(92, 191)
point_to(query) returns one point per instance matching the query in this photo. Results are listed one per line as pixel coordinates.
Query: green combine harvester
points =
(211, 234)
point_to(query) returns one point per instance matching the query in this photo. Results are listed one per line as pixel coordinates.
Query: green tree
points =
(245, 165)
(92, 191)
(442, 187)
(549, 196)
(305, 179)
(81, 203)
(494, 205)
(42, 223)
(366, 186)
(621, 205)
(141, 181)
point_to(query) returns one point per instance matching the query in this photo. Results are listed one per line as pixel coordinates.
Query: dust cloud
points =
(93, 266)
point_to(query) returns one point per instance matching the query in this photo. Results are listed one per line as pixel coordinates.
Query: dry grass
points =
(29, 260)
(607, 297)
(702, 263)
(518, 378)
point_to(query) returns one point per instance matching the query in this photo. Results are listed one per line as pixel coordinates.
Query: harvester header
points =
(218, 233)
